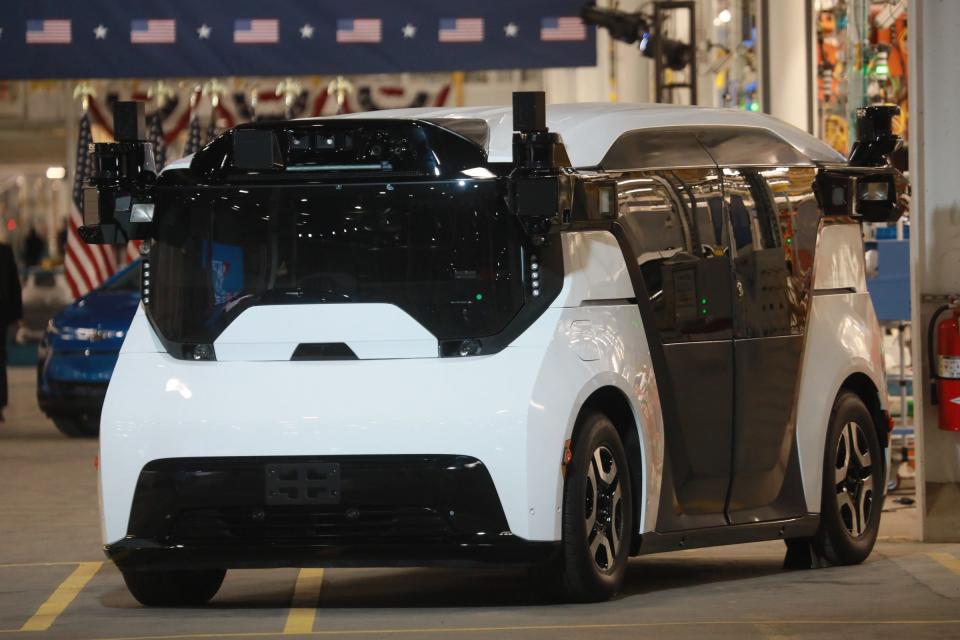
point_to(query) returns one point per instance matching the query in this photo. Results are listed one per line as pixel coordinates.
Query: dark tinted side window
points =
(650, 215)
(791, 189)
(674, 224)
(761, 265)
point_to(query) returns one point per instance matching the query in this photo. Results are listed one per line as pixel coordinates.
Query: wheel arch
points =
(864, 388)
(613, 403)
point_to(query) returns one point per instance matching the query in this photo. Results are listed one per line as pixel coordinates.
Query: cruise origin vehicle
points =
(555, 336)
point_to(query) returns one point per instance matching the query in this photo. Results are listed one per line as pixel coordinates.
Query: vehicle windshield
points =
(445, 251)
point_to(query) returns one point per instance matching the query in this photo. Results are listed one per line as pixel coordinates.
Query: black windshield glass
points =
(447, 252)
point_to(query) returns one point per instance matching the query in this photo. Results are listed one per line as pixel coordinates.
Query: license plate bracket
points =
(296, 483)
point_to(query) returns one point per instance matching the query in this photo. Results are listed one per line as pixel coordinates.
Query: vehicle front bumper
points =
(395, 510)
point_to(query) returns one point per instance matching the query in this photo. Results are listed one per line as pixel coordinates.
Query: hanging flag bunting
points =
(156, 137)
(193, 135)
(211, 128)
(186, 38)
(86, 265)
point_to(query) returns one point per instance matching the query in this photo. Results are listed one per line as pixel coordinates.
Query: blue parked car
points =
(79, 351)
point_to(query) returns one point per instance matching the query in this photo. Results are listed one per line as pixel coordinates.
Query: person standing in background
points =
(11, 311)
(33, 248)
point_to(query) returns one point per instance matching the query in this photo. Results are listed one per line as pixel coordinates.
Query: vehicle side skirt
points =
(800, 527)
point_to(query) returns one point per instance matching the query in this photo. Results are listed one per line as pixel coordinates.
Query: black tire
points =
(853, 484)
(597, 514)
(174, 588)
(80, 426)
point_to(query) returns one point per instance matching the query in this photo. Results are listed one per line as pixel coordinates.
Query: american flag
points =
(86, 265)
(193, 135)
(359, 30)
(48, 32)
(211, 128)
(461, 30)
(258, 31)
(569, 28)
(153, 31)
(156, 137)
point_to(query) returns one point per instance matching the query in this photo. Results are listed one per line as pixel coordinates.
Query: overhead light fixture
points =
(56, 173)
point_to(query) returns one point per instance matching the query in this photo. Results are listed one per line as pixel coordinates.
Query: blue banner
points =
(191, 38)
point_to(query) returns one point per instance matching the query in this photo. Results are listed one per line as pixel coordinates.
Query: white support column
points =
(786, 52)
(934, 243)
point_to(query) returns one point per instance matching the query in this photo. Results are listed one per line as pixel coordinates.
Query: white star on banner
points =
(100, 32)
(204, 32)
(511, 30)
(306, 31)
(409, 31)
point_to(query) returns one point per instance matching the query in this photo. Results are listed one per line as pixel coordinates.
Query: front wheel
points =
(853, 484)
(597, 513)
(174, 588)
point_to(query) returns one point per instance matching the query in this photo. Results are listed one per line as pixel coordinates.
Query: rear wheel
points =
(853, 484)
(597, 513)
(173, 588)
(78, 426)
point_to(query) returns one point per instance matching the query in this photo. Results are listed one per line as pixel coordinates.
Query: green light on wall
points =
(478, 297)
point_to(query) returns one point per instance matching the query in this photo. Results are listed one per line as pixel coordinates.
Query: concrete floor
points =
(53, 580)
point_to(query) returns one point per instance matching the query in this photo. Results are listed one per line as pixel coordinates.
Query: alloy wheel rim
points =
(603, 508)
(853, 479)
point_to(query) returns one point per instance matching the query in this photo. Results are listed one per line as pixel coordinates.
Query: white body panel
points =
(512, 410)
(843, 338)
(272, 332)
(840, 260)
(588, 129)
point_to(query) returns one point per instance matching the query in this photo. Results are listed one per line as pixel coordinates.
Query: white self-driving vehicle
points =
(556, 336)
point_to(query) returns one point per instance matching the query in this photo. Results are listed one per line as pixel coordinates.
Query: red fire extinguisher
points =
(945, 364)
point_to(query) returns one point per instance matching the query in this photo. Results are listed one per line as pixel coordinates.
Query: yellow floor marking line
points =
(947, 560)
(14, 565)
(303, 607)
(551, 627)
(770, 632)
(62, 597)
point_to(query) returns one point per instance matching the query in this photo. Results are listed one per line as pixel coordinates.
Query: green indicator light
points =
(754, 106)
(703, 301)
(703, 312)
(479, 297)
(789, 240)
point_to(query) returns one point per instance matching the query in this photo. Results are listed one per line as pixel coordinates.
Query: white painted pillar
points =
(787, 52)
(934, 242)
